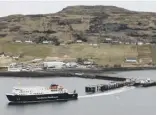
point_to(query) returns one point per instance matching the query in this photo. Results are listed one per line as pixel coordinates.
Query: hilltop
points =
(87, 23)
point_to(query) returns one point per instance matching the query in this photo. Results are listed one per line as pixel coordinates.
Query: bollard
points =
(86, 89)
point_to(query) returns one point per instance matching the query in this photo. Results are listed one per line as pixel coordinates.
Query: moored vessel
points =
(38, 94)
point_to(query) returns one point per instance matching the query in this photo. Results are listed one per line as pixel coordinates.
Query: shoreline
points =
(2, 69)
(42, 74)
(103, 73)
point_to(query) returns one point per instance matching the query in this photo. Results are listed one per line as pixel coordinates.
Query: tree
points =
(80, 36)
(56, 41)
(80, 60)
(39, 39)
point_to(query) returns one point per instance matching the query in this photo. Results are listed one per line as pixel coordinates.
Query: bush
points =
(107, 65)
(80, 36)
(80, 60)
(117, 65)
(56, 41)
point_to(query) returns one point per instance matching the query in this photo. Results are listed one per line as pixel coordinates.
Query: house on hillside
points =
(16, 57)
(47, 42)
(139, 43)
(115, 42)
(36, 60)
(79, 41)
(130, 60)
(54, 65)
(18, 41)
(107, 40)
(28, 41)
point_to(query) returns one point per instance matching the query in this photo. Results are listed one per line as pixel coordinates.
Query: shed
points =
(54, 64)
(131, 60)
(28, 41)
(139, 43)
(47, 42)
(71, 64)
(88, 62)
(79, 41)
(18, 41)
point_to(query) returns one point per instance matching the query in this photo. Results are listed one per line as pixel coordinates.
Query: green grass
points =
(105, 54)
(153, 50)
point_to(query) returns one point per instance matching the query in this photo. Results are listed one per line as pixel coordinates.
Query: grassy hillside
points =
(91, 24)
(104, 54)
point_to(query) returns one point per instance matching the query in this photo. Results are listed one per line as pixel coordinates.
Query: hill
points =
(88, 23)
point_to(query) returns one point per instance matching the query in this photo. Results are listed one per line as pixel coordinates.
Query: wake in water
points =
(108, 93)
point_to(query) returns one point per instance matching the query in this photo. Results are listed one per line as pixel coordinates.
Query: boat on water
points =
(38, 94)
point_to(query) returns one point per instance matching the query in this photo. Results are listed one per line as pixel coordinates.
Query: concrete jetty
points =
(61, 74)
(115, 85)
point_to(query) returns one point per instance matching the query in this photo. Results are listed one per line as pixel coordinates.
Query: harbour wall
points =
(61, 74)
(100, 69)
(102, 73)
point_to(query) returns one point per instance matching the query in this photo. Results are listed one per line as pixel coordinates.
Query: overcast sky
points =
(39, 7)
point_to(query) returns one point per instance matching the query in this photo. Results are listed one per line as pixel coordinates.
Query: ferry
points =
(38, 94)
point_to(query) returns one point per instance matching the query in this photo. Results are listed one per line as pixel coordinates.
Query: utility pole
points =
(71, 30)
(44, 24)
(98, 40)
(137, 52)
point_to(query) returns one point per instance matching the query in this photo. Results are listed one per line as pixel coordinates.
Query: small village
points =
(12, 63)
(106, 40)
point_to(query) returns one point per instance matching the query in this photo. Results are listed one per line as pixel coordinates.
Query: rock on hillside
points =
(87, 23)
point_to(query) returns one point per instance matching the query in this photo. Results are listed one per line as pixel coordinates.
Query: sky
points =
(44, 7)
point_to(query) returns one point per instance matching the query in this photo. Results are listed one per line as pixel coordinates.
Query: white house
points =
(16, 57)
(54, 64)
(18, 41)
(95, 45)
(87, 63)
(139, 43)
(79, 41)
(47, 42)
(130, 60)
(71, 64)
(108, 39)
(36, 60)
(28, 41)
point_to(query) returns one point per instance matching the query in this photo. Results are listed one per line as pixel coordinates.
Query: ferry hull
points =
(40, 98)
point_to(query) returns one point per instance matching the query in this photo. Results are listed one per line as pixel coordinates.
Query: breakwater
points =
(129, 68)
(62, 74)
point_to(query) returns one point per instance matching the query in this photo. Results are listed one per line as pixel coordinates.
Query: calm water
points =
(132, 101)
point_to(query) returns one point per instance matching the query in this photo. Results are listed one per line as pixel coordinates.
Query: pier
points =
(115, 85)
